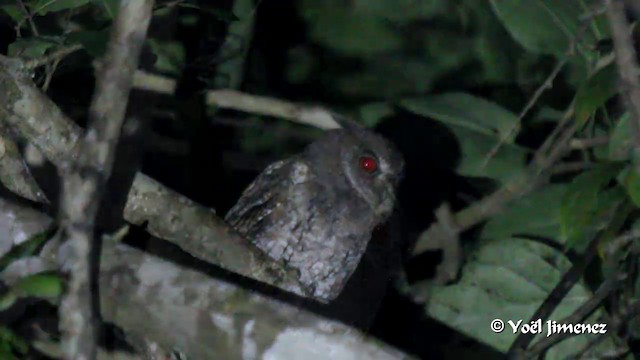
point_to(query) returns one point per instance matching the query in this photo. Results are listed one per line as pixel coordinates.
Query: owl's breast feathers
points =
(291, 216)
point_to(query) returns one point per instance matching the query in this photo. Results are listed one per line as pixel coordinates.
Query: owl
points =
(315, 211)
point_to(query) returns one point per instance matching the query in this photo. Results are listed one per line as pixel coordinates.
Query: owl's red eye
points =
(368, 164)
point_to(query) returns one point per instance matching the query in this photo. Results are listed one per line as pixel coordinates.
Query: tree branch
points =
(231, 99)
(157, 301)
(14, 172)
(83, 184)
(36, 118)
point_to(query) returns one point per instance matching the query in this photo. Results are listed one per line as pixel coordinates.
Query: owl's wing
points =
(266, 195)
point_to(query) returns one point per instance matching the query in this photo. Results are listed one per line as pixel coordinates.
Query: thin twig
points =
(583, 144)
(51, 68)
(28, 17)
(518, 349)
(547, 84)
(611, 284)
(613, 327)
(310, 115)
(569, 167)
(569, 279)
(52, 57)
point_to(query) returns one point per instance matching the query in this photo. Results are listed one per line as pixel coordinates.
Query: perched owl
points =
(316, 210)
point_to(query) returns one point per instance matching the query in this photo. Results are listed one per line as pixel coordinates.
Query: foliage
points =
(483, 70)
(45, 286)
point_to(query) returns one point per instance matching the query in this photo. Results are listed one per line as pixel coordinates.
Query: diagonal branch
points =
(172, 307)
(167, 214)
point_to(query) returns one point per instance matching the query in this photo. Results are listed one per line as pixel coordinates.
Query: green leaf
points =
(43, 285)
(214, 9)
(474, 147)
(507, 279)
(631, 182)
(7, 300)
(468, 111)
(540, 26)
(42, 7)
(170, 56)
(17, 343)
(13, 11)
(372, 113)
(621, 139)
(538, 213)
(28, 48)
(110, 7)
(349, 32)
(478, 125)
(95, 42)
(586, 202)
(403, 10)
(26, 248)
(595, 92)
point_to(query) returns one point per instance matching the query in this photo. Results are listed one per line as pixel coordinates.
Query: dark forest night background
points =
(516, 98)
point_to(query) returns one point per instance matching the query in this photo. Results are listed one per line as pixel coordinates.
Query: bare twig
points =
(231, 99)
(627, 65)
(83, 184)
(611, 284)
(536, 174)
(518, 349)
(628, 314)
(316, 116)
(583, 144)
(569, 167)
(451, 249)
(52, 57)
(28, 17)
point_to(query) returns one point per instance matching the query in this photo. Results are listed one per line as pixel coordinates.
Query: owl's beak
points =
(387, 200)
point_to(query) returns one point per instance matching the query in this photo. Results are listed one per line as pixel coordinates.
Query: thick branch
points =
(157, 301)
(83, 185)
(14, 172)
(35, 117)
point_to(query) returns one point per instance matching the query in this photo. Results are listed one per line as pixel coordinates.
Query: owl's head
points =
(360, 161)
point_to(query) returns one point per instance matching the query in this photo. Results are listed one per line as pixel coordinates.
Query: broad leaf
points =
(507, 279)
(537, 214)
(621, 139)
(466, 111)
(95, 42)
(42, 7)
(631, 182)
(586, 203)
(595, 92)
(372, 113)
(509, 160)
(540, 26)
(30, 47)
(25, 249)
(349, 32)
(12, 10)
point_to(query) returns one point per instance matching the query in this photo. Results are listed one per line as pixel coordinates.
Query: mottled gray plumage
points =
(316, 210)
